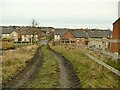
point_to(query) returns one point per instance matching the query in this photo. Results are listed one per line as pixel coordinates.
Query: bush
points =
(7, 44)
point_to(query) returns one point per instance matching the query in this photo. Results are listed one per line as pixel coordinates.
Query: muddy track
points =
(28, 73)
(68, 76)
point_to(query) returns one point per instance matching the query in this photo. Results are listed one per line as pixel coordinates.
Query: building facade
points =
(10, 34)
(97, 39)
(18, 35)
(28, 36)
(70, 37)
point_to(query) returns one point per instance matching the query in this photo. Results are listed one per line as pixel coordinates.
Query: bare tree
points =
(34, 30)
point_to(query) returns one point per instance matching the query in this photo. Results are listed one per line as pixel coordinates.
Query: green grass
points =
(89, 72)
(114, 64)
(48, 75)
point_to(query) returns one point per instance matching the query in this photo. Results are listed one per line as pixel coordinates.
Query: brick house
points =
(70, 37)
(75, 36)
(115, 44)
(58, 34)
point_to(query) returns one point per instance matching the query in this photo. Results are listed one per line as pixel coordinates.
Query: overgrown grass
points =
(15, 60)
(89, 72)
(48, 75)
(7, 45)
(106, 59)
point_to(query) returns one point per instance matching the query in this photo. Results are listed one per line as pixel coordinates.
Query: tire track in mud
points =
(27, 73)
(68, 76)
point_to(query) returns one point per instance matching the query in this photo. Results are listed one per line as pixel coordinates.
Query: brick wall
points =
(115, 46)
(68, 35)
(116, 30)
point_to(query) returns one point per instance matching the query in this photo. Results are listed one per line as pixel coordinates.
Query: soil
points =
(27, 73)
(68, 77)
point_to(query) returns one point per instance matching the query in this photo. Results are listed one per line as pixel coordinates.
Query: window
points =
(99, 46)
(7, 35)
(4, 34)
(93, 45)
(23, 40)
(27, 35)
(14, 35)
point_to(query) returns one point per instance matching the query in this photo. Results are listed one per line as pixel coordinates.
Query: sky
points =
(60, 13)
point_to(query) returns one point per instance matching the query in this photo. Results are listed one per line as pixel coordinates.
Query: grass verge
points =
(106, 59)
(15, 60)
(89, 72)
(48, 75)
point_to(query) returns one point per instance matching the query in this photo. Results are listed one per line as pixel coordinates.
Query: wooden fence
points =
(104, 64)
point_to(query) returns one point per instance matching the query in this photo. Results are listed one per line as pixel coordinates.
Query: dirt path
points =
(68, 77)
(26, 74)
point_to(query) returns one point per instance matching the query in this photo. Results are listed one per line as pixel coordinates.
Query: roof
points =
(98, 33)
(8, 30)
(26, 33)
(79, 34)
(61, 32)
(116, 20)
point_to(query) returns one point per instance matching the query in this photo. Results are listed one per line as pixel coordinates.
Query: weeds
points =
(15, 60)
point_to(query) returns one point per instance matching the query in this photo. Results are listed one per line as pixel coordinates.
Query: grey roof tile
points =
(8, 30)
(79, 34)
(98, 33)
(61, 32)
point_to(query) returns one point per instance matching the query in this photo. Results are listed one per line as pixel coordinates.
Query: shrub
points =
(7, 44)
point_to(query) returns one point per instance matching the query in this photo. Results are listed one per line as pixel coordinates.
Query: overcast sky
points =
(60, 13)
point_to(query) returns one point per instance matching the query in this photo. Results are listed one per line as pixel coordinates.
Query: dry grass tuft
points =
(15, 60)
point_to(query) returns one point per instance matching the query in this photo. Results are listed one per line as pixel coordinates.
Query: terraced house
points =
(89, 38)
(28, 36)
(18, 35)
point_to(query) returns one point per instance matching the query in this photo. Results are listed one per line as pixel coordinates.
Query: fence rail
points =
(104, 64)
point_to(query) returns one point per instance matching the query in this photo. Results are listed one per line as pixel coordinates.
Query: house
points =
(115, 39)
(10, 33)
(58, 34)
(75, 36)
(97, 39)
(80, 37)
(70, 37)
(18, 35)
(28, 36)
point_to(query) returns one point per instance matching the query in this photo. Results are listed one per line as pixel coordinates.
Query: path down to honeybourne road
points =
(68, 77)
(27, 73)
